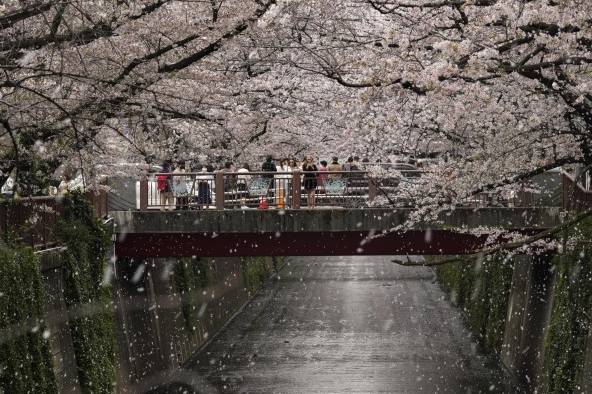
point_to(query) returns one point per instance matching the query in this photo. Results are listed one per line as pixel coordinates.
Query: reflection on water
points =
(347, 324)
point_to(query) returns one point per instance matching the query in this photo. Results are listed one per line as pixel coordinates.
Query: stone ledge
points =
(325, 220)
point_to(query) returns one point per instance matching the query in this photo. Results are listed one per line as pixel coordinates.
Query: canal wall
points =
(532, 312)
(56, 323)
(74, 321)
(159, 312)
(168, 308)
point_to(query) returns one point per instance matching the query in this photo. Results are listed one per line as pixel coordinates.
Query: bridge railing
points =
(576, 195)
(232, 190)
(31, 220)
(227, 190)
(34, 220)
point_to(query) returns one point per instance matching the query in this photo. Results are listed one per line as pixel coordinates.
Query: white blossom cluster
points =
(497, 89)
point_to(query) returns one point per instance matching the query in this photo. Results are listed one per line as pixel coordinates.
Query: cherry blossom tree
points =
(499, 89)
(86, 82)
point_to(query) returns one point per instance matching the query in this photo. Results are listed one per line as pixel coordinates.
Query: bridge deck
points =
(314, 232)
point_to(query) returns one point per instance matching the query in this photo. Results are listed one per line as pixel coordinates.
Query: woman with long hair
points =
(310, 180)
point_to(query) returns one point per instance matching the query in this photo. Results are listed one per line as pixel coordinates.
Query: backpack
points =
(269, 166)
(161, 183)
(203, 193)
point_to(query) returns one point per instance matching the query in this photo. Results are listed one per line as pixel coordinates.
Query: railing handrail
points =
(31, 198)
(213, 174)
(572, 178)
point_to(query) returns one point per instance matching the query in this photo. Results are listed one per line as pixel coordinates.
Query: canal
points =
(345, 324)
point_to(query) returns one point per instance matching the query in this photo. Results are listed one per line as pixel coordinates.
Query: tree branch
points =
(503, 247)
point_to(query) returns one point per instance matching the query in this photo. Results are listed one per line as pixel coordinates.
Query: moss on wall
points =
(255, 271)
(25, 357)
(88, 299)
(565, 340)
(482, 290)
(190, 276)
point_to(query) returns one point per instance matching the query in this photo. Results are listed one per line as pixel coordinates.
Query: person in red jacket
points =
(164, 187)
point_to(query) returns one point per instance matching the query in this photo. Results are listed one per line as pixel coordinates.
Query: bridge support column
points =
(528, 316)
(296, 189)
(219, 184)
(372, 189)
(148, 329)
(143, 194)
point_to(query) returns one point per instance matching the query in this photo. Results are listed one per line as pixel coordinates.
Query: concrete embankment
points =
(164, 309)
(533, 312)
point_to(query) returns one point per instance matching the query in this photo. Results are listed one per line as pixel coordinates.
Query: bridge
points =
(230, 190)
(220, 215)
(291, 232)
(169, 305)
(262, 214)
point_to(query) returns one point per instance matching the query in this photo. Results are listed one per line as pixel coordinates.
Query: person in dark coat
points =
(310, 180)
(269, 166)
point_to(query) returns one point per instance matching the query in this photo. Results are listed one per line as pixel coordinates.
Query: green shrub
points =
(25, 357)
(255, 271)
(190, 277)
(482, 290)
(91, 323)
(565, 341)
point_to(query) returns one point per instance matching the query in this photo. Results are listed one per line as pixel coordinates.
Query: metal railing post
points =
(143, 194)
(371, 189)
(296, 185)
(219, 185)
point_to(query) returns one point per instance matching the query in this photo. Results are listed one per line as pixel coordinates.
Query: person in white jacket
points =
(180, 186)
(283, 180)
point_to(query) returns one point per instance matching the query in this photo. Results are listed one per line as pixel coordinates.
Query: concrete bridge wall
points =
(315, 232)
(539, 306)
(153, 336)
(325, 220)
(155, 333)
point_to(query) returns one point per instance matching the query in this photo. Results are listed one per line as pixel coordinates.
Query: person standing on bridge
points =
(163, 184)
(241, 179)
(269, 166)
(205, 185)
(322, 177)
(180, 186)
(283, 181)
(334, 166)
(347, 166)
(310, 180)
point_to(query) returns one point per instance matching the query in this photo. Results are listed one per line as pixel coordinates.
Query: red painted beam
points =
(412, 242)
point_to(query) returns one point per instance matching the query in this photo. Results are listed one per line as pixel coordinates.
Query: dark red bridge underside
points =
(413, 242)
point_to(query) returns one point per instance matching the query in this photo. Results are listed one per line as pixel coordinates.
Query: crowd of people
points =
(181, 191)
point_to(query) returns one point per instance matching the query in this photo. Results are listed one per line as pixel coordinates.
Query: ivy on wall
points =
(193, 275)
(566, 337)
(482, 290)
(255, 271)
(25, 357)
(92, 323)
(190, 276)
